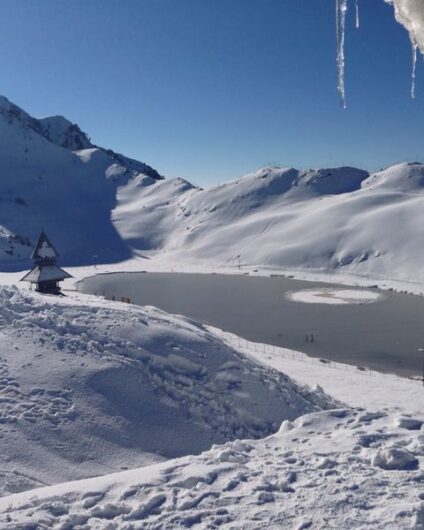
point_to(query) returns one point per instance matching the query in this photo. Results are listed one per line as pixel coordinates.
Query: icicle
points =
(341, 9)
(414, 67)
(357, 14)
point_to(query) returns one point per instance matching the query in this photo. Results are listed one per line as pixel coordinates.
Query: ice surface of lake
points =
(384, 335)
(335, 296)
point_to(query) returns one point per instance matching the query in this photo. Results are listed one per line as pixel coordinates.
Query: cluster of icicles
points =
(341, 10)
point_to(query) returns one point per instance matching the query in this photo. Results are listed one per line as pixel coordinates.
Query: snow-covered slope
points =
(91, 388)
(98, 206)
(344, 469)
(328, 220)
(46, 183)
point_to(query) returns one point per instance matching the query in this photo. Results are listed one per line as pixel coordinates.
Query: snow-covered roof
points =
(44, 250)
(45, 273)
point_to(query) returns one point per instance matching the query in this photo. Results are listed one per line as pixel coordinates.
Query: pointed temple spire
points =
(44, 251)
(46, 275)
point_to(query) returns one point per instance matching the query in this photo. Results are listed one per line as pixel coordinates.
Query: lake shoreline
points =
(386, 340)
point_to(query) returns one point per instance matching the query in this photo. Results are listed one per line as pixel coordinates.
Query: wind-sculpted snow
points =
(344, 469)
(87, 389)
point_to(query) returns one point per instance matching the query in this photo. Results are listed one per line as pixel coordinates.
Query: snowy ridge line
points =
(293, 355)
(333, 220)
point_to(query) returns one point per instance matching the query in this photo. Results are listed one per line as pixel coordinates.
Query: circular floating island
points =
(335, 296)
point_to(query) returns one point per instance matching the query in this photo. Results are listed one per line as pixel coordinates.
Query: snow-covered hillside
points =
(100, 207)
(87, 388)
(328, 220)
(53, 177)
(95, 388)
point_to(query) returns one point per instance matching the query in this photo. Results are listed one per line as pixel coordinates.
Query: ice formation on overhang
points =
(409, 13)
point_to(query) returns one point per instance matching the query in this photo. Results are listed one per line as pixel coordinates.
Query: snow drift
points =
(90, 388)
(336, 469)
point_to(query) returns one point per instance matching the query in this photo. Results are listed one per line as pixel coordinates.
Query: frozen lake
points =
(384, 335)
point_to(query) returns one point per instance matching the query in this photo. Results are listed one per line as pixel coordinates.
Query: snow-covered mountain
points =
(99, 206)
(53, 177)
(328, 220)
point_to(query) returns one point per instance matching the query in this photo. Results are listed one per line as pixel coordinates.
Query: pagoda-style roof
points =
(44, 251)
(45, 273)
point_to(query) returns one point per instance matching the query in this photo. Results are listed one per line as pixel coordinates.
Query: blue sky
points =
(211, 89)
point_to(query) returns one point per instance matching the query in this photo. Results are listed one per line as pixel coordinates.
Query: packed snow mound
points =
(335, 469)
(90, 388)
(70, 193)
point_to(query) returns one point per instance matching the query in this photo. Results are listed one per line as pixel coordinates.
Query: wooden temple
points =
(45, 274)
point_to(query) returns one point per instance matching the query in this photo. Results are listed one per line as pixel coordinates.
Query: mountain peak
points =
(60, 131)
(53, 176)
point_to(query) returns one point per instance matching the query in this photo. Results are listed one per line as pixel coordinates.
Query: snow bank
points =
(336, 469)
(90, 388)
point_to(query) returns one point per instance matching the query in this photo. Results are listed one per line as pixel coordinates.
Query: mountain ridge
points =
(45, 183)
(102, 207)
(62, 132)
